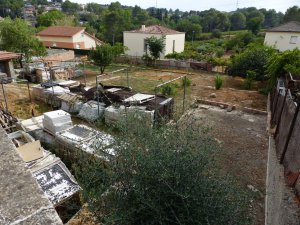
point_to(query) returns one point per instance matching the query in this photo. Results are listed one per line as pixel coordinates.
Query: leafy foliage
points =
(11, 8)
(281, 63)
(186, 82)
(52, 18)
(165, 176)
(17, 36)
(168, 89)
(156, 46)
(248, 82)
(103, 55)
(254, 58)
(218, 82)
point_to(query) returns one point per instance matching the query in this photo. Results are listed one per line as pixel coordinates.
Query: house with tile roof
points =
(68, 38)
(284, 37)
(135, 40)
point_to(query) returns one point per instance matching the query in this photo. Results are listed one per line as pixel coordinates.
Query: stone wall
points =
(22, 200)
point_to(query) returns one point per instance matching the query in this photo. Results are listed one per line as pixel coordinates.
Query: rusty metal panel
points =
(292, 156)
(285, 123)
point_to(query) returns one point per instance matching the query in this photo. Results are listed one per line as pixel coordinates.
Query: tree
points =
(254, 58)
(238, 21)
(292, 14)
(164, 176)
(104, 55)
(156, 46)
(11, 8)
(17, 36)
(254, 24)
(191, 30)
(50, 18)
(70, 7)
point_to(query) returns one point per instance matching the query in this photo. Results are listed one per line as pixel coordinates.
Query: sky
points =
(199, 5)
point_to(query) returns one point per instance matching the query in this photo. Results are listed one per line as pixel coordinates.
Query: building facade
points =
(135, 40)
(284, 37)
(6, 63)
(68, 38)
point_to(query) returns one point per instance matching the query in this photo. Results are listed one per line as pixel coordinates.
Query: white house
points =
(284, 37)
(68, 37)
(135, 40)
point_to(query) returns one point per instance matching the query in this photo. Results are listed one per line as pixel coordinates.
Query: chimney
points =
(143, 28)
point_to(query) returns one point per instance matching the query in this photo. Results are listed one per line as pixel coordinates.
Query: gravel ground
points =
(244, 142)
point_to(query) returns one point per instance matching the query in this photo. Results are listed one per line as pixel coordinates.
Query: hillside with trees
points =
(108, 21)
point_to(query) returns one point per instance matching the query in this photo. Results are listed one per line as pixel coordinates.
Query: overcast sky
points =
(199, 5)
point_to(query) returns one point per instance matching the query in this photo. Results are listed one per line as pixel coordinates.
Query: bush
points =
(218, 82)
(216, 33)
(254, 58)
(168, 89)
(281, 63)
(240, 41)
(186, 82)
(162, 176)
(248, 82)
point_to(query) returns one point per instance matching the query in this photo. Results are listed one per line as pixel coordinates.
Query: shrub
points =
(164, 176)
(281, 63)
(220, 52)
(186, 82)
(218, 82)
(254, 58)
(248, 82)
(216, 33)
(168, 89)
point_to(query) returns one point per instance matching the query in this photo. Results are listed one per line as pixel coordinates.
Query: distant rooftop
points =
(22, 201)
(8, 55)
(155, 29)
(61, 31)
(292, 26)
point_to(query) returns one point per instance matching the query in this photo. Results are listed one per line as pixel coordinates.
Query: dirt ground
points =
(18, 101)
(145, 81)
(202, 85)
(244, 143)
(242, 136)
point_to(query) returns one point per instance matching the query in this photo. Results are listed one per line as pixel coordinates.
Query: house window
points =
(293, 39)
(53, 44)
(173, 46)
(82, 34)
(77, 46)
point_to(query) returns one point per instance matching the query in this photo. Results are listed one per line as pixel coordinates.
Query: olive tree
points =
(165, 175)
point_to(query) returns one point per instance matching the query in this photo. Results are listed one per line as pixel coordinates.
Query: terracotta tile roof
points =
(292, 26)
(60, 31)
(155, 29)
(8, 55)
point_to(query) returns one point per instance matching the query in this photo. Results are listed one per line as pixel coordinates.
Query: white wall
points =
(89, 42)
(135, 43)
(281, 40)
(179, 43)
